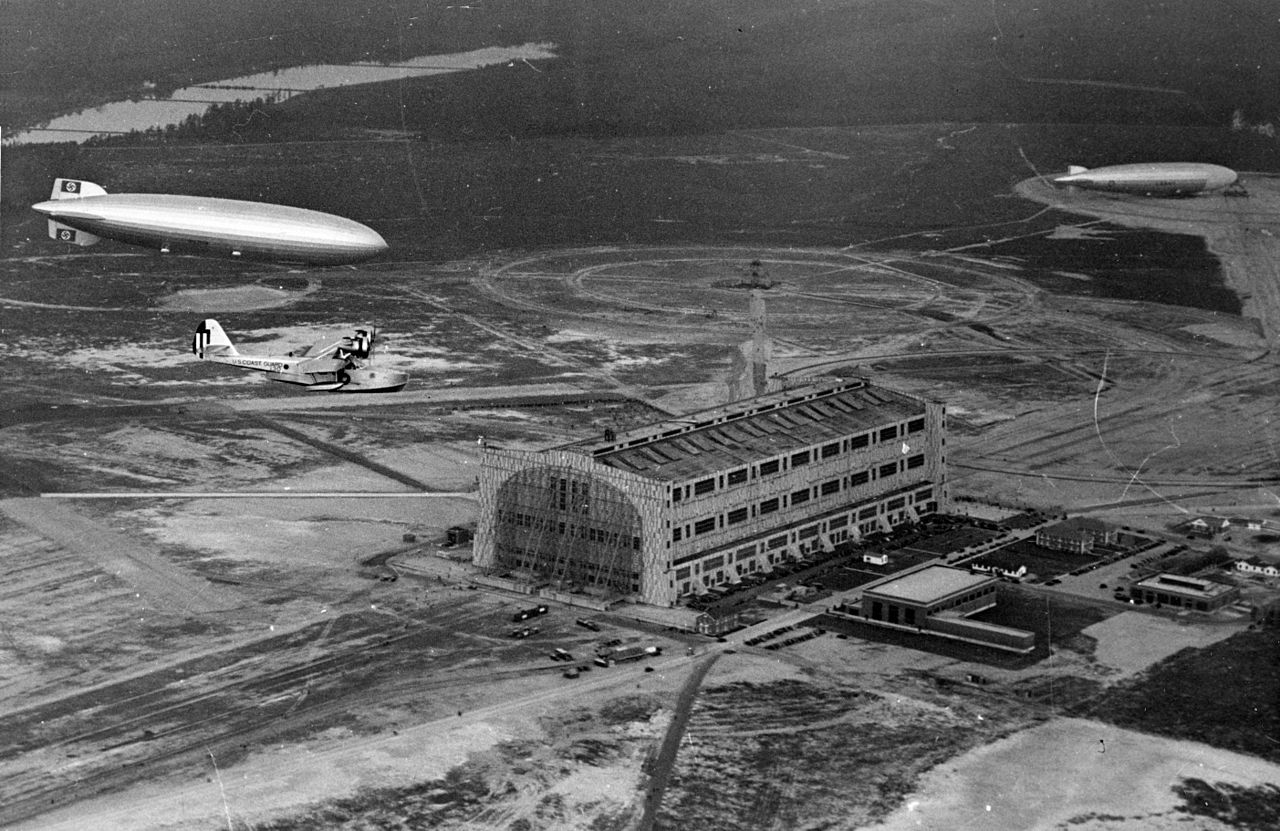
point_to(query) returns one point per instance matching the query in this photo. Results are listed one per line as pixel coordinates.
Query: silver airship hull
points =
(1151, 178)
(217, 227)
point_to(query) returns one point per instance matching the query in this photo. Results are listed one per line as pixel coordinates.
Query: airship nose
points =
(45, 208)
(373, 241)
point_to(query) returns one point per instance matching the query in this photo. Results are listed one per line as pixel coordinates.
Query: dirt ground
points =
(1072, 773)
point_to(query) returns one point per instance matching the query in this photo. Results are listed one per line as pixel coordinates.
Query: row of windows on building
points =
(889, 611)
(986, 594)
(790, 461)
(1154, 597)
(543, 524)
(718, 569)
(832, 487)
(571, 495)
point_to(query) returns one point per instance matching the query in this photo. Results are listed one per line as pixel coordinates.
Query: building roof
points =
(731, 435)
(930, 584)
(1076, 528)
(1193, 586)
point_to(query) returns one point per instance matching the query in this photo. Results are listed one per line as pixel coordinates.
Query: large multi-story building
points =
(1078, 535)
(670, 509)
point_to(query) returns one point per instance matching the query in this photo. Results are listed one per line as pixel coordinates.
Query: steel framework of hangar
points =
(675, 507)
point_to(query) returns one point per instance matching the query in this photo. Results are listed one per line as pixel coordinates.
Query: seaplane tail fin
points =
(209, 339)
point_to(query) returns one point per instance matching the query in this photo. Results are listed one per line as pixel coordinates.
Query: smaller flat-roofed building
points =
(913, 597)
(939, 600)
(1078, 535)
(1184, 592)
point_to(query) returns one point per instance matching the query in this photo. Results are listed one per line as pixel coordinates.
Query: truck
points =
(623, 654)
(525, 614)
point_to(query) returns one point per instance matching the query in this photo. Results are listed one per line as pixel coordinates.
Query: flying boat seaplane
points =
(343, 363)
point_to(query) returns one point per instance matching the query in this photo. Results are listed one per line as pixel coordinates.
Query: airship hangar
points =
(672, 509)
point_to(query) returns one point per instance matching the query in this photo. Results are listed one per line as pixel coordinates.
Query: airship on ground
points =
(81, 213)
(341, 363)
(1150, 178)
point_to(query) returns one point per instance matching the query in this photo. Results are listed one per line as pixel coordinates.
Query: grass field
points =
(1226, 695)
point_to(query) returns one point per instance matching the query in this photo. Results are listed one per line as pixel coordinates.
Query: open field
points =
(1184, 696)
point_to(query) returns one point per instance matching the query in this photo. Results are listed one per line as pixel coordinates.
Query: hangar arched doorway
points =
(569, 528)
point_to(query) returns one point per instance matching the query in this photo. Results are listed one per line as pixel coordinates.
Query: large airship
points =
(81, 213)
(1151, 178)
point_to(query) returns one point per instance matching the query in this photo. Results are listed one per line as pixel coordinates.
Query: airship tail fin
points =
(210, 340)
(75, 189)
(65, 233)
(1073, 169)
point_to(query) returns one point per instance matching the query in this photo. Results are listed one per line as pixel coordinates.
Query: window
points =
(895, 504)
(676, 493)
(704, 526)
(767, 468)
(924, 495)
(838, 522)
(769, 506)
(682, 573)
(713, 562)
(915, 462)
(737, 477)
(888, 470)
(801, 458)
(831, 487)
(800, 497)
(859, 441)
(737, 515)
(830, 450)
(806, 533)
(888, 433)
(581, 502)
(915, 425)
(677, 534)
(744, 553)
(705, 486)
(777, 542)
(867, 513)
(860, 478)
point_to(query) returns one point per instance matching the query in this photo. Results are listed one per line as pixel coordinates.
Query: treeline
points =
(230, 122)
